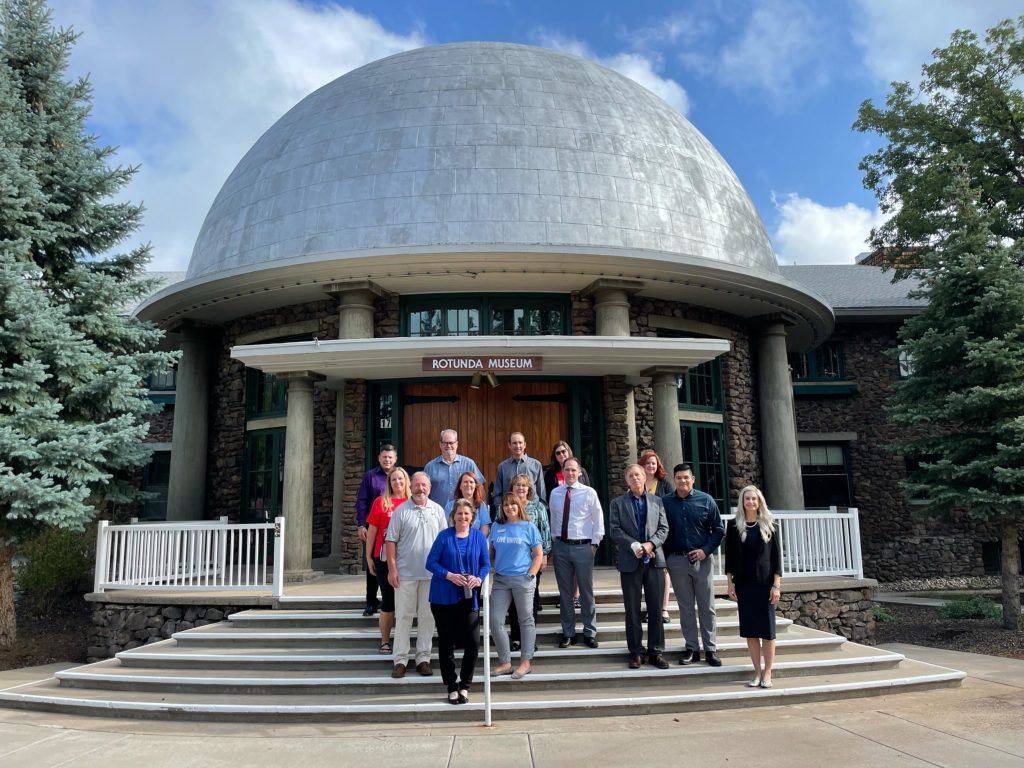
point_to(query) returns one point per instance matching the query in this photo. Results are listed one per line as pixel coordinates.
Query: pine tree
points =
(73, 401)
(964, 399)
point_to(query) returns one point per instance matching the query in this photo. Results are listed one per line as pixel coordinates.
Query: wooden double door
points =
(484, 418)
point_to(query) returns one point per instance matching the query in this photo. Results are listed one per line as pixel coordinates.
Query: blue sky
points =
(184, 87)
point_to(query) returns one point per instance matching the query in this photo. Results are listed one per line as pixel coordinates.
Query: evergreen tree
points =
(964, 399)
(73, 401)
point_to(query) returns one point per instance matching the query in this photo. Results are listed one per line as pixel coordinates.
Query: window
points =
(163, 382)
(265, 395)
(487, 316)
(155, 479)
(825, 363)
(906, 361)
(703, 449)
(263, 476)
(700, 388)
(826, 475)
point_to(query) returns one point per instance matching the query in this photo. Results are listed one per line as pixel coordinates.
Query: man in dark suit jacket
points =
(639, 528)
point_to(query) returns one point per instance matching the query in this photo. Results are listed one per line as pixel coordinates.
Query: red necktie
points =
(565, 512)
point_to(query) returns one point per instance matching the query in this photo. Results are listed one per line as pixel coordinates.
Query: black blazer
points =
(769, 557)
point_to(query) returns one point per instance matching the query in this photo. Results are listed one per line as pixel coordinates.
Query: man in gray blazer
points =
(639, 528)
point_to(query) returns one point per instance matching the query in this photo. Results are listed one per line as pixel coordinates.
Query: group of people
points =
(433, 538)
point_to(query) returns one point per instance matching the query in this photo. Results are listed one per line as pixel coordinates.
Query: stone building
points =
(486, 208)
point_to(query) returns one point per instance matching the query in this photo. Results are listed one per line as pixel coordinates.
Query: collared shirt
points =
(508, 469)
(586, 518)
(370, 488)
(444, 476)
(413, 529)
(639, 512)
(694, 522)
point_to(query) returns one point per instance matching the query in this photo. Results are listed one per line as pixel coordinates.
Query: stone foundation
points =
(118, 627)
(845, 612)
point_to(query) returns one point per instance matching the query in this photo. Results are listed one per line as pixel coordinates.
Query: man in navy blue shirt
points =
(695, 530)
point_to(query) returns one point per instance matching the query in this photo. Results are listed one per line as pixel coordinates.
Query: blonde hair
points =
(765, 519)
(388, 497)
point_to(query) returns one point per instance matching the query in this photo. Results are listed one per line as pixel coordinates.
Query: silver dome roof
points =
(473, 146)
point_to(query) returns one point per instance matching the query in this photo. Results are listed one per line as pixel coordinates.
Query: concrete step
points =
(316, 636)
(342, 602)
(170, 654)
(510, 700)
(548, 675)
(354, 619)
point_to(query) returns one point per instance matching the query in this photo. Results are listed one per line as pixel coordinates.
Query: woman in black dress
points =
(753, 565)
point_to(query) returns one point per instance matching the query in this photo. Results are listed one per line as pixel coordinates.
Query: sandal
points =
(384, 649)
(665, 618)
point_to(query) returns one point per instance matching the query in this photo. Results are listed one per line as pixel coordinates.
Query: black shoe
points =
(688, 657)
(590, 642)
(565, 641)
(368, 610)
(712, 659)
(516, 645)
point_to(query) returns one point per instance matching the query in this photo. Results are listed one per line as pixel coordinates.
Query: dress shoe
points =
(635, 662)
(590, 642)
(658, 661)
(398, 671)
(564, 641)
(424, 668)
(368, 610)
(712, 659)
(516, 645)
(688, 657)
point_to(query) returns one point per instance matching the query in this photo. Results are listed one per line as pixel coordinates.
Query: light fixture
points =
(492, 380)
(475, 381)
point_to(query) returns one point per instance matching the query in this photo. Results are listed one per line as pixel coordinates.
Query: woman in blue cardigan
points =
(458, 563)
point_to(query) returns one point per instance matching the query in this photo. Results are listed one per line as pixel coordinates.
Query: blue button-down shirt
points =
(694, 522)
(444, 476)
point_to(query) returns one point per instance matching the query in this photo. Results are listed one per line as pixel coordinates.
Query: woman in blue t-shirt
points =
(516, 557)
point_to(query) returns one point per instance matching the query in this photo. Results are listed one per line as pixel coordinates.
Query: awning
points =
(403, 357)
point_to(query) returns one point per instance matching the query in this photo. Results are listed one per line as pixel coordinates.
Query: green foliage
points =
(881, 614)
(976, 607)
(73, 404)
(56, 563)
(967, 113)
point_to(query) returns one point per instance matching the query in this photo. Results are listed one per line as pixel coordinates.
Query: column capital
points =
(298, 376)
(603, 285)
(664, 370)
(349, 289)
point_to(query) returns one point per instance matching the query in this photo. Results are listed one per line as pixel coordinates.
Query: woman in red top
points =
(396, 492)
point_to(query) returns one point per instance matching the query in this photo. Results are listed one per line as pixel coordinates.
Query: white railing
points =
(814, 543)
(190, 556)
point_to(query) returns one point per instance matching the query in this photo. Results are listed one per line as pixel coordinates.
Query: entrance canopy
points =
(404, 357)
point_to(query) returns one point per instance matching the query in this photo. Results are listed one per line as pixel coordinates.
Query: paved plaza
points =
(980, 724)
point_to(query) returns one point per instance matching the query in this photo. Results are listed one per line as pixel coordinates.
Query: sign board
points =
(486, 363)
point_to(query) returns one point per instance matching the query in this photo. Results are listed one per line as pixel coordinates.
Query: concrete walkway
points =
(979, 724)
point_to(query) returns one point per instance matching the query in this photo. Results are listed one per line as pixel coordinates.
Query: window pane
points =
(825, 479)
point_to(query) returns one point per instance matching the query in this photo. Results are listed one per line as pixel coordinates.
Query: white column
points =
(186, 486)
(783, 483)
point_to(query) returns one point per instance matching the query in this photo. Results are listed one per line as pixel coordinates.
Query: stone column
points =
(186, 486)
(356, 305)
(783, 485)
(668, 441)
(298, 476)
(611, 314)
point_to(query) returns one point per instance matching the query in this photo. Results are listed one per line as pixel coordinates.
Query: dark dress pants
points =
(649, 579)
(458, 626)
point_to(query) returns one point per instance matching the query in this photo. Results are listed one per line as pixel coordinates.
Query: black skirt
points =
(757, 614)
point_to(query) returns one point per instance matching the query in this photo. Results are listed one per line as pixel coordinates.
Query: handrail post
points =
(278, 557)
(102, 550)
(858, 559)
(485, 593)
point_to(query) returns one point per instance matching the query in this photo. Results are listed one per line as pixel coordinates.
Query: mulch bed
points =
(60, 635)
(921, 625)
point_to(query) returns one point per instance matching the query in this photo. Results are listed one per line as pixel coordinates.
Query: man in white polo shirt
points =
(414, 526)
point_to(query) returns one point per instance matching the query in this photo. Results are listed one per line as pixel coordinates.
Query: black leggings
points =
(387, 592)
(457, 627)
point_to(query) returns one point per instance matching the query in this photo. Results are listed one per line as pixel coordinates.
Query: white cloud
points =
(898, 37)
(186, 87)
(639, 68)
(811, 233)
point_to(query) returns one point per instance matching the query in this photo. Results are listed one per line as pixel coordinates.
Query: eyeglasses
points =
(521, 485)
(561, 452)
(451, 442)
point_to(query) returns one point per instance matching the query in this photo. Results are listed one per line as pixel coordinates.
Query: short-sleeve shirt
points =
(513, 547)
(380, 517)
(483, 515)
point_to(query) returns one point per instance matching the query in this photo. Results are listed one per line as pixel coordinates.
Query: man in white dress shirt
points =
(577, 527)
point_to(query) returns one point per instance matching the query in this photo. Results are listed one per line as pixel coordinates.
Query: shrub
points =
(881, 614)
(976, 607)
(55, 563)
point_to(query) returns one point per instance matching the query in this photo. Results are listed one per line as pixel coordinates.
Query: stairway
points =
(309, 663)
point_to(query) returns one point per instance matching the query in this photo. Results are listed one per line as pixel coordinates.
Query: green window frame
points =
(700, 388)
(266, 396)
(824, 363)
(704, 449)
(263, 475)
(155, 480)
(825, 470)
(499, 315)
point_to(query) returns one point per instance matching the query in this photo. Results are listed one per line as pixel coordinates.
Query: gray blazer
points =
(622, 523)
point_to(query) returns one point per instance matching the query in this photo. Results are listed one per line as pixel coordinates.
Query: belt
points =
(574, 541)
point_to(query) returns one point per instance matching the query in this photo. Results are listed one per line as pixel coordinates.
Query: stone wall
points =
(896, 543)
(117, 627)
(846, 612)
(161, 425)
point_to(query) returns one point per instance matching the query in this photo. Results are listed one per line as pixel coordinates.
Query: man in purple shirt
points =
(372, 486)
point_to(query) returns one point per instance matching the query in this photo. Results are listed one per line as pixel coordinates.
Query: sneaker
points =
(688, 657)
